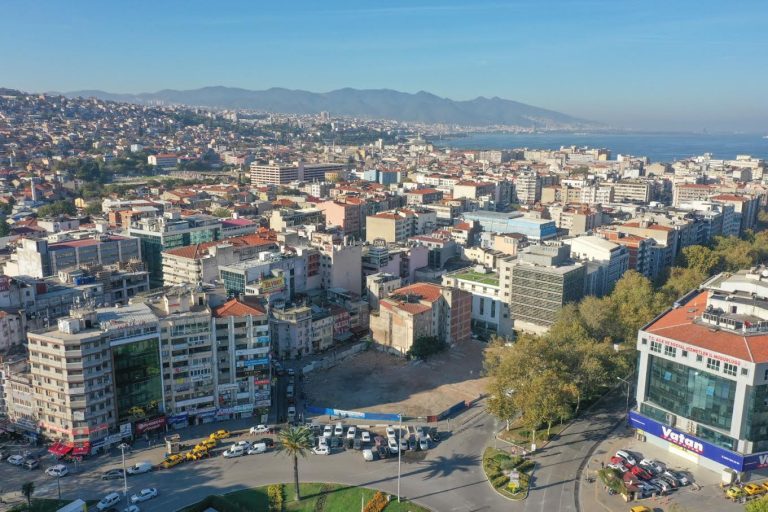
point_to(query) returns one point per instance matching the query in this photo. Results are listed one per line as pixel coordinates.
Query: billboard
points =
(255, 362)
(692, 444)
(271, 285)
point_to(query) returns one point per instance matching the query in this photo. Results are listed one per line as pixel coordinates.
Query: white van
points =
(139, 468)
(291, 414)
(108, 501)
(257, 448)
(234, 451)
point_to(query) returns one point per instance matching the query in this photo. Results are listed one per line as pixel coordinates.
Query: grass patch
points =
(497, 464)
(337, 498)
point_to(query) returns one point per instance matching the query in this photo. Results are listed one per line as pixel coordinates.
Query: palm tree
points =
(27, 489)
(295, 441)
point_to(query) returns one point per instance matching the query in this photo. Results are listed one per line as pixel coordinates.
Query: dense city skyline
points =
(652, 66)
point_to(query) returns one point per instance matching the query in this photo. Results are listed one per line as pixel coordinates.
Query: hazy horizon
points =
(659, 66)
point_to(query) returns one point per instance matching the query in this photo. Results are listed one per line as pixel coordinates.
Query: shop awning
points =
(84, 449)
(54, 448)
(65, 449)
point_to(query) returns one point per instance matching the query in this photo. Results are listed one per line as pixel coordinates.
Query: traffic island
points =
(509, 475)
(316, 497)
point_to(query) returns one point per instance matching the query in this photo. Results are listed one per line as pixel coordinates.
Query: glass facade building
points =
(138, 382)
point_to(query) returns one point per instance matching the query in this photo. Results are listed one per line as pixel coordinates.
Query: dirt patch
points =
(379, 382)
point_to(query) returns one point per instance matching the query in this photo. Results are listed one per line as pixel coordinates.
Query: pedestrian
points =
(602, 465)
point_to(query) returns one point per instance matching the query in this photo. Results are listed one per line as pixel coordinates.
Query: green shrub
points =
(500, 481)
(516, 460)
(276, 494)
(526, 465)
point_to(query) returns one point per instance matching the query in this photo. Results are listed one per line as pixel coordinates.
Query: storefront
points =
(694, 449)
(150, 426)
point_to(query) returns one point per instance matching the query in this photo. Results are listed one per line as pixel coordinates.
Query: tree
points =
(700, 258)
(92, 209)
(27, 489)
(598, 317)
(5, 228)
(736, 253)
(57, 208)
(635, 303)
(221, 212)
(425, 346)
(295, 441)
(681, 281)
(760, 505)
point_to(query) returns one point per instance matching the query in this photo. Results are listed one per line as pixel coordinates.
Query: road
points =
(447, 478)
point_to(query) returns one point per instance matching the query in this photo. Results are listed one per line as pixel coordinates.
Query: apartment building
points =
(344, 215)
(528, 187)
(163, 160)
(40, 258)
(635, 191)
(285, 218)
(292, 331)
(490, 312)
(539, 282)
(280, 174)
(702, 390)
(687, 192)
(423, 196)
(422, 309)
(606, 262)
(171, 231)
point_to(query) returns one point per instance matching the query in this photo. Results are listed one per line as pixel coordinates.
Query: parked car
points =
(144, 495)
(172, 460)
(379, 441)
(652, 465)
(243, 444)
(627, 457)
(108, 501)
(365, 436)
(434, 435)
(671, 481)
(291, 414)
(259, 429)
(412, 444)
(321, 450)
(392, 445)
(680, 477)
(220, 434)
(351, 432)
(661, 484)
(618, 467)
(131, 508)
(57, 471)
(382, 451)
(357, 443)
(112, 474)
(268, 442)
(15, 460)
(753, 489)
(338, 430)
(328, 431)
(139, 468)
(31, 464)
(234, 451)
(641, 473)
(257, 448)
(424, 443)
(390, 433)
(734, 493)
(368, 455)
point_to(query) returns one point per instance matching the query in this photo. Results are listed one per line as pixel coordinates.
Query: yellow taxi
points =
(753, 489)
(734, 493)
(173, 460)
(640, 508)
(206, 444)
(220, 434)
(765, 485)
(195, 454)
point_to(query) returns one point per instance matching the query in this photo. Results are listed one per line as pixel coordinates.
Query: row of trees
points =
(544, 379)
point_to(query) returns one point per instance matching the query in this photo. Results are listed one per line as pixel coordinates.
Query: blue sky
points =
(673, 64)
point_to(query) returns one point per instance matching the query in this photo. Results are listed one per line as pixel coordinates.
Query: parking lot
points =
(376, 381)
(703, 492)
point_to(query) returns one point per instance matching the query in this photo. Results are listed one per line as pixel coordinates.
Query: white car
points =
(132, 508)
(259, 429)
(139, 468)
(368, 454)
(627, 457)
(328, 431)
(58, 470)
(338, 430)
(16, 460)
(618, 467)
(257, 448)
(424, 443)
(108, 501)
(392, 444)
(322, 450)
(291, 413)
(365, 436)
(351, 432)
(234, 451)
(144, 495)
(652, 465)
(390, 433)
(242, 444)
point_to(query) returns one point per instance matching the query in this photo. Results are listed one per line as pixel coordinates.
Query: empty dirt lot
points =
(378, 382)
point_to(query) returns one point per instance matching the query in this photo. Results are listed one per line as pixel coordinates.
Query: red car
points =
(640, 473)
(618, 460)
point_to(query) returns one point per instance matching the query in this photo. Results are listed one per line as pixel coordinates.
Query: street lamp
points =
(399, 452)
(122, 447)
(629, 384)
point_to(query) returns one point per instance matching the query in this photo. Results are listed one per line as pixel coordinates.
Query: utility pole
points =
(122, 447)
(399, 453)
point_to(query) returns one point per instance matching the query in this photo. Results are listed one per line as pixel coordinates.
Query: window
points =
(670, 351)
(684, 353)
(644, 341)
(713, 364)
(699, 359)
(744, 371)
(655, 346)
(729, 369)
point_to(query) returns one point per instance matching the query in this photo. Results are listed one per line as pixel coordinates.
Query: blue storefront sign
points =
(256, 362)
(698, 446)
(176, 419)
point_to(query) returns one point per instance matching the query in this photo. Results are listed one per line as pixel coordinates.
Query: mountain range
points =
(421, 107)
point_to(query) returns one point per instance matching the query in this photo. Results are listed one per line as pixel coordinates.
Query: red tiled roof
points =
(234, 307)
(678, 324)
(729, 197)
(427, 291)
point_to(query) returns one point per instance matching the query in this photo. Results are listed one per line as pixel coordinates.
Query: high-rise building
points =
(282, 174)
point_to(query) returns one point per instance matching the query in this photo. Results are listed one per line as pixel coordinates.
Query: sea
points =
(658, 147)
